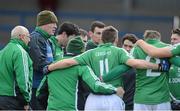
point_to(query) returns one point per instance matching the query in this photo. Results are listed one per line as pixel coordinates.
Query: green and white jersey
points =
(175, 49)
(151, 87)
(63, 87)
(57, 50)
(15, 70)
(175, 60)
(174, 81)
(103, 59)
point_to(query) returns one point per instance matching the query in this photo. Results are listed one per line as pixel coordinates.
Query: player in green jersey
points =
(170, 51)
(95, 34)
(63, 84)
(152, 91)
(106, 50)
(174, 75)
(159, 52)
(59, 42)
(104, 58)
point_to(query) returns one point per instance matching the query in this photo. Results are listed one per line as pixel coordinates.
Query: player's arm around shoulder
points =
(153, 51)
(62, 64)
(141, 64)
(138, 63)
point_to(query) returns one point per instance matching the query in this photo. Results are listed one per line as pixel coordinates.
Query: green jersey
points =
(15, 70)
(91, 45)
(174, 81)
(57, 52)
(116, 72)
(175, 49)
(151, 87)
(63, 87)
(103, 59)
(175, 60)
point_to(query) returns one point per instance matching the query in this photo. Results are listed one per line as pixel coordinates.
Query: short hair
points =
(83, 32)
(69, 28)
(176, 31)
(16, 31)
(98, 24)
(131, 37)
(109, 34)
(152, 34)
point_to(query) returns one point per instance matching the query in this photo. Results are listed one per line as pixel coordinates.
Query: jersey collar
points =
(106, 45)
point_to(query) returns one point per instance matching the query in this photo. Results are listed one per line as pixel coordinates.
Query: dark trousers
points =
(83, 92)
(10, 103)
(34, 103)
(129, 107)
(175, 106)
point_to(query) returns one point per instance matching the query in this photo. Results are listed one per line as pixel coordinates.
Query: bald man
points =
(16, 72)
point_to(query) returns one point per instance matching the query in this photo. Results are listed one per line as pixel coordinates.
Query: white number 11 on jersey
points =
(104, 68)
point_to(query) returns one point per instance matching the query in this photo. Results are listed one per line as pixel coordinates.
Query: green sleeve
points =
(42, 91)
(124, 56)
(56, 49)
(134, 51)
(94, 83)
(82, 59)
(23, 73)
(30, 75)
(175, 50)
(175, 60)
(115, 72)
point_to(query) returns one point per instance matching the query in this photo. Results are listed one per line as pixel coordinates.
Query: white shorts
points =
(143, 107)
(104, 102)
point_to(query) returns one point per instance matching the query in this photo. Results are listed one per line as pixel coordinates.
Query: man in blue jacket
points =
(40, 48)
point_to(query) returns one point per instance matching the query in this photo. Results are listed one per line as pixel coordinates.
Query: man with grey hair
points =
(16, 72)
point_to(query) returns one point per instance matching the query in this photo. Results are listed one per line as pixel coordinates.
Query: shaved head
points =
(21, 33)
(19, 30)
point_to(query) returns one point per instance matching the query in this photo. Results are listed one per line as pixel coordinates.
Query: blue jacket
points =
(40, 53)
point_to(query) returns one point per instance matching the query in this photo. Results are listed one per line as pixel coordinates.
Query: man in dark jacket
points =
(129, 77)
(40, 48)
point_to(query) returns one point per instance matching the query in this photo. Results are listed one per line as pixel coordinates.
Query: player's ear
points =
(90, 33)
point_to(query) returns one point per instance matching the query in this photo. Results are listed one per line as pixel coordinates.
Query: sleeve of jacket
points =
(175, 60)
(116, 72)
(38, 52)
(94, 83)
(23, 73)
